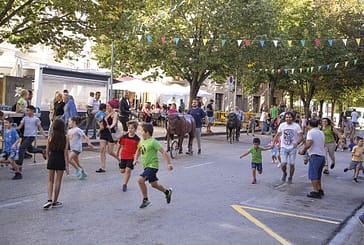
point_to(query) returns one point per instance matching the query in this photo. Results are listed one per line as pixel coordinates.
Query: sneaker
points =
(332, 166)
(254, 181)
(199, 151)
(100, 170)
(125, 187)
(18, 176)
(346, 169)
(305, 161)
(326, 171)
(83, 176)
(289, 180)
(44, 154)
(48, 204)
(322, 193)
(313, 194)
(169, 195)
(57, 205)
(355, 180)
(278, 165)
(284, 176)
(78, 173)
(145, 204)
(361, 219)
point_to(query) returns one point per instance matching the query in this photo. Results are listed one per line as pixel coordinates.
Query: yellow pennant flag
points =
(358, 41)
(301, 69)
(204, 41)
(346, 63)
(289, 43)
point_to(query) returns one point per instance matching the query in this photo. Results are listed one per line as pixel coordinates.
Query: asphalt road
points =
(213, 202)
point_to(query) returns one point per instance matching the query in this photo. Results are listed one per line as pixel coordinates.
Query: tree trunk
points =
(291, 93)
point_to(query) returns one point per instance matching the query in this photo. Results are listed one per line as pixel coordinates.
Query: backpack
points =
(13, 108)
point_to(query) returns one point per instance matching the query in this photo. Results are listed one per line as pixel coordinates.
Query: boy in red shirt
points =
(129, 144)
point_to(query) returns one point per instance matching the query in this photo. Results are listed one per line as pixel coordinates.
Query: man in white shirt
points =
(291, 137)
(92, 108)
(315, 144)
(354, 117)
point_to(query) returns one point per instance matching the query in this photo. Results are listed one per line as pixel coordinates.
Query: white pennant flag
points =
(345, 41)
(191, 41)
(292, 70)
(336, 64)
(239, 42)
(139, 37)
(275, 42)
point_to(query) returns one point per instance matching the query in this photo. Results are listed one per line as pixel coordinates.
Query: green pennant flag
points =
(303, 42)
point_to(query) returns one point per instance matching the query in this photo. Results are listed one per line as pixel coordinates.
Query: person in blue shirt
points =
(199, 115)
(11, 141)
(69, 108)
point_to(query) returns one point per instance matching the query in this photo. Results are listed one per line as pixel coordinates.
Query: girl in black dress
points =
(57, 155)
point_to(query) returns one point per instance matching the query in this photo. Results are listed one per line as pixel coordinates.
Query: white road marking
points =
(15, 203)
(199, 165)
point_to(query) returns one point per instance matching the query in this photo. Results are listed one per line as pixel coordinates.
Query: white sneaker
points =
(48, 204)
(278, 165)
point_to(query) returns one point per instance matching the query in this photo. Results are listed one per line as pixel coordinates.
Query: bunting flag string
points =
(261, 42)
(310, 69)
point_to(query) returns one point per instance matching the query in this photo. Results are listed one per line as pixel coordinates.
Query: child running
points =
(148, 147)
(57, 155)
(11, 141)
(75, 135)
(276, 157)
(356, 159)
(129, 144)
(256, 151)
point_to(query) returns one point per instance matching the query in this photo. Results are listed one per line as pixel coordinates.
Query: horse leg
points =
(180, 142)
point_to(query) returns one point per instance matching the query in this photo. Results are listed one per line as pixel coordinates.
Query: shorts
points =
(288, 156)
(126, 163)
(211, 119)
(257, 166)
(76, 152)
(274, 151)
(355, 164)
(315, 167)
(150, 174)
(9, 155)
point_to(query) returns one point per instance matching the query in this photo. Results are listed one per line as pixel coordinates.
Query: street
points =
(213, 202)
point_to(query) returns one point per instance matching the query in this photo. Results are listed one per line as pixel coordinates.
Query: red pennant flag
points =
(247, 42)
(317, 42)
(163, 38)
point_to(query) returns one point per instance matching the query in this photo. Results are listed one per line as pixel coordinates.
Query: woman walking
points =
(330, 143)
(109, 127)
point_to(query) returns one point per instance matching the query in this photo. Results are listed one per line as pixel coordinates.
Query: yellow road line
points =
(280, 239)
(291, 215)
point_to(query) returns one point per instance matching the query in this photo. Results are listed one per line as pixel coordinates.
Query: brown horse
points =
(179, 124)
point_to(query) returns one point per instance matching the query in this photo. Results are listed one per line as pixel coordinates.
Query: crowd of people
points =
(289, 130)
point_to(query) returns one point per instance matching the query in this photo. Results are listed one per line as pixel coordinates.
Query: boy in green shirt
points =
(148, 147)
(256, 152)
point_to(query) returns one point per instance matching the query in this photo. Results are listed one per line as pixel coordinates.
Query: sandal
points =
(100, 170)
(326, 171)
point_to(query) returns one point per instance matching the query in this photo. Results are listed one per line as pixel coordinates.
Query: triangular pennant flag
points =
(204, 41)
(355, 61)
(289, 43)
(292, 70)
(303, 42)
(312, 68)
(319, 68)
(327, 66)
(317, 42)
(139, 37)
(266, 70)
(246, 42)
(149, 38)
(330, 41)
(307, 69)
(345, 41)
(336, 64)
(126, 37)
(275, 42)
(262, 42)
(223, 41)
(163, 38)
(357, 41)
(191, 41)
(346, 63)
(239, 42)
(301, 69)
(279, 71)
(176, 40)
(272, 71)
(286, 71)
